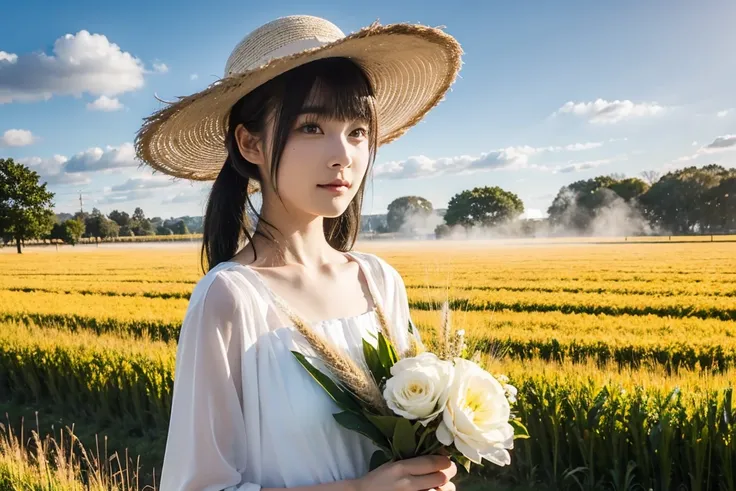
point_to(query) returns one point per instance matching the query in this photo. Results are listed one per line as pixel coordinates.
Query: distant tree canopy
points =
(686, 201)
(483, 206)
(693, 200)
(579, 204)
(26, 207)
(404, 210)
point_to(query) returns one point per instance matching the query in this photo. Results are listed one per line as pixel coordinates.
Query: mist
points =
(614, 218)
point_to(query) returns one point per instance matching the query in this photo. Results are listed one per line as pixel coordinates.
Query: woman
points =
(301, 111)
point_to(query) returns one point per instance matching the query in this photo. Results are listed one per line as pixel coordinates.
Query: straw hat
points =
(411, 67)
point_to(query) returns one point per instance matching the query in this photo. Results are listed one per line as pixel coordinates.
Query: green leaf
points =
(360, 424)
(378, 370)
(463, 461)
(341, 397)
(386, 352)
(378, 458)
(387, 424)
(405, 441)
(520, 430)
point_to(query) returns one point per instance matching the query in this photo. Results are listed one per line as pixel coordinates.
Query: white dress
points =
(245, 414)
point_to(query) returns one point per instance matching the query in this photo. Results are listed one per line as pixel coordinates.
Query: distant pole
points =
(81, 203)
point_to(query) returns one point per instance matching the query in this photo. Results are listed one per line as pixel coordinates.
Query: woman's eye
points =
(361, 132)
(311, 128)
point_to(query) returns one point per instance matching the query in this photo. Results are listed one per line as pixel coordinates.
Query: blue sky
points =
(549, 93)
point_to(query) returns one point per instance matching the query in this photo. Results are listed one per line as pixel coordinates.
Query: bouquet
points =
(422, 403)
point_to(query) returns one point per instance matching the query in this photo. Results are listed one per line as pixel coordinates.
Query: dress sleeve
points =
(206, 447)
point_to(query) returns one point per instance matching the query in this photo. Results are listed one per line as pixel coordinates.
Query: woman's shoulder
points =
(381, 270)
(225, 287)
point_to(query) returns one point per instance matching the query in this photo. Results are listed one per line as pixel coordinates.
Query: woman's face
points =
(319, 150)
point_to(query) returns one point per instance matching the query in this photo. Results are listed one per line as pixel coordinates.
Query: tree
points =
(405, 210)
(97, 225)
(25, 205)
(629, 189)
(650, 176)
(582, 204)
(108, 228)
(139, 224)
(679, 200)
(484, 206)
(180, 228)
(73, 230)
(721, 203)
(138, 215)
(120, 217)
(68, 231)
(161, 230)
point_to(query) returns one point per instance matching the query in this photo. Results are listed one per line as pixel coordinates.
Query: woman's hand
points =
(428, 472)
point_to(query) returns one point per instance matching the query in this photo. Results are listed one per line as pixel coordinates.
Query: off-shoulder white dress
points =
(245, 414)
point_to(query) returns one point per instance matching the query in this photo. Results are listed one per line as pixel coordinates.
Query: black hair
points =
(344, 91)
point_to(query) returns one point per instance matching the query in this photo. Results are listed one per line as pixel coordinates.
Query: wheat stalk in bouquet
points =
(419, 402)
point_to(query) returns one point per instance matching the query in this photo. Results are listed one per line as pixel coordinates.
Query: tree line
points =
(681, 202)
(687, 201)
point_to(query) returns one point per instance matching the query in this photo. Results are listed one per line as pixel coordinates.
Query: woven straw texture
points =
(411, 68)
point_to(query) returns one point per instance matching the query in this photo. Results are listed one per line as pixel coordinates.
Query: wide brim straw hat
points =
(411, 67)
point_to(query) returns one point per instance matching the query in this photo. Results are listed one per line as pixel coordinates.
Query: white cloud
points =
(190, 196)
(95, 159)
(505, 158)
(104, 103)
(152, 182)
(52, 171)
(584, 165)
(133, 195)
(724, 113)
(193, 76)
(8, 57)
(160, 68)
(79, 63)
(17, 138)
(722, 143)
(719, 144)
(602, 111)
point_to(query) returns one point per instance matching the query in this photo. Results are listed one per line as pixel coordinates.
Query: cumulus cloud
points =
(8, 57)
(96, 159)
(722, 142)
(193, 76)
(719, 144)
(160, 68)
(17, 138)
(104, 103)
(52, 171)
(79, 63)
(508, 158)
(602, 111)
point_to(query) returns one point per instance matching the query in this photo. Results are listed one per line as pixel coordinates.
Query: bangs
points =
(341, 96)
(334, 88)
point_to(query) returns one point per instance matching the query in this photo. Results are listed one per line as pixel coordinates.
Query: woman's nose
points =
(340, 151)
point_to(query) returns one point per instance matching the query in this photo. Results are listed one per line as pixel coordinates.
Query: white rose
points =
(476, 418)
(419, 387)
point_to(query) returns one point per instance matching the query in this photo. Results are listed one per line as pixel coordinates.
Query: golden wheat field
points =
(624, 353)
